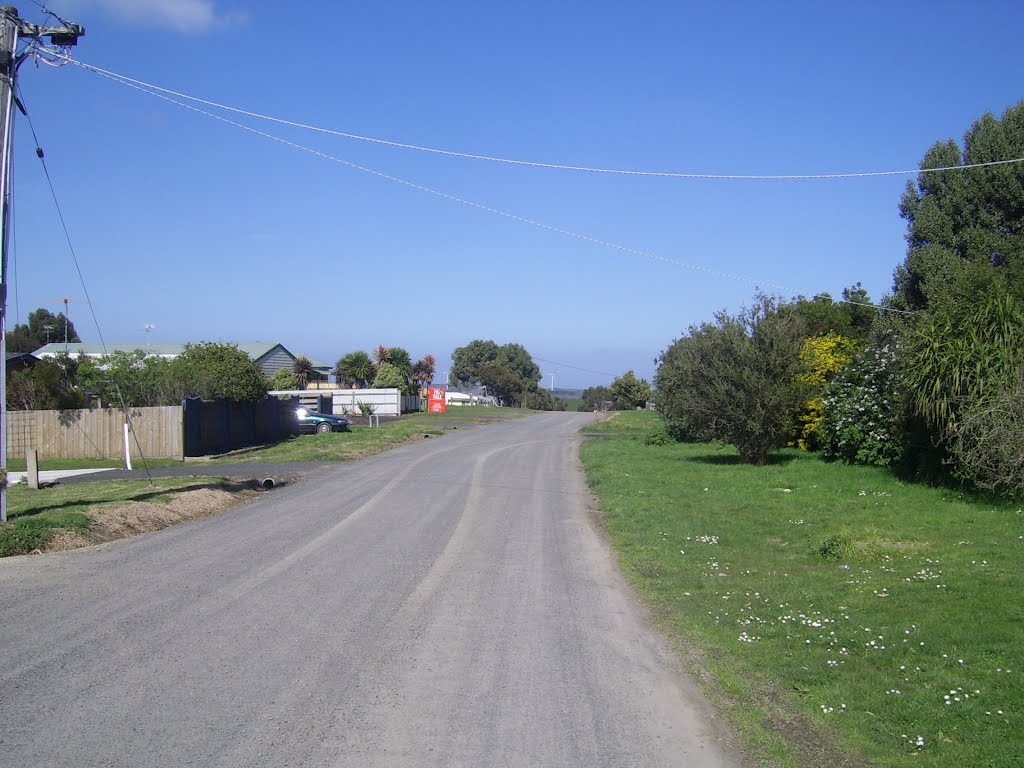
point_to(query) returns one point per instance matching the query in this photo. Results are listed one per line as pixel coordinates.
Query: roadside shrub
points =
(736, 379)
(388, 377)
(986, 443)
(22, 539)
(282, 378)
(659, 436)
(366, 409)
(964, 355)
(823, 357)
(864, 411)
(835, 547)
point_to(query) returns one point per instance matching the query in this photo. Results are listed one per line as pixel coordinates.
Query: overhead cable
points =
(489, 209)
(528, 163)
(575, 367)
(81, 277)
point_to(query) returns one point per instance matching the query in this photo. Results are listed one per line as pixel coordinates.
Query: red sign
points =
(436, 401)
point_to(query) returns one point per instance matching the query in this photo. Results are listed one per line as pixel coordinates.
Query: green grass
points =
(34, 516)
(834, 607)
(18, 464)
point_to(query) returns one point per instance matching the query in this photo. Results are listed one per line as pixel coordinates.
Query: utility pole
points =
(13, 28)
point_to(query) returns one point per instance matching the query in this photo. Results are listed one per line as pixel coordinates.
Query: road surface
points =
(447, 603)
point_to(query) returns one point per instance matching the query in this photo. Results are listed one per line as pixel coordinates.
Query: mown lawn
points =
(844, 617)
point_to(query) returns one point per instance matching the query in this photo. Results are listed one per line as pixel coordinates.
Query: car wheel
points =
(323, 426)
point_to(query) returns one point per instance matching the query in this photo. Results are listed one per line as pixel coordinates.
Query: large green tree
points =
(132, 377)
(596, 398)
(502, 382)
(628, 392)
(210, 370)
(736, 379)
(467, 362)
(852, 317)
(42, 326)
(960, 222)
(963, 278)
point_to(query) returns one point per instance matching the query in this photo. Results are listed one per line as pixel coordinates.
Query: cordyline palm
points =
(303, 370)
(423, 371)
(961, 353)
(355, 369)
(381, 355)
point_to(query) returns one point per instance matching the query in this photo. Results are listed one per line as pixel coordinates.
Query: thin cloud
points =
(189, 16)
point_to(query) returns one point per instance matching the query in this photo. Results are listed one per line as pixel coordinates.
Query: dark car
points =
(312, 421)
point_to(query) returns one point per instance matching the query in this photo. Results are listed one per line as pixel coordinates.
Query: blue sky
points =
(209, 232)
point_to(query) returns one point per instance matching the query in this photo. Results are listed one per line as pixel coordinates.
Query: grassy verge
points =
(362, 441)
(18, 464)
(844, 618)
(34, 516)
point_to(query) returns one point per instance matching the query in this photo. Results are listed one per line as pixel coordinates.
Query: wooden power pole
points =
(12, 29)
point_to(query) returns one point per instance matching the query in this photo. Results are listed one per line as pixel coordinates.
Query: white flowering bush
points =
(864, 411)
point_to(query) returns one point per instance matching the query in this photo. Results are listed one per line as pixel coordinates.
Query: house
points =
(269, 357)
(18, 361)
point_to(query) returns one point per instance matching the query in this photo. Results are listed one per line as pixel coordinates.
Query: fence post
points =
(32, 465)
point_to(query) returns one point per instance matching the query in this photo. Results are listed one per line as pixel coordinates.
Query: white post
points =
(127, 452)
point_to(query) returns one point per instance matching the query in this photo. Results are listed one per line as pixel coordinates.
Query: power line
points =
(81, 278)
(528, 163)
(479, 206)
(574, 367)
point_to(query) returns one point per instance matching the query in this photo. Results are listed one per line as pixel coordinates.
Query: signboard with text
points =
(436, 400)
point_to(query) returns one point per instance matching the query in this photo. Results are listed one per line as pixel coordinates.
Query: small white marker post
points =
(32, 468)
(127, 452)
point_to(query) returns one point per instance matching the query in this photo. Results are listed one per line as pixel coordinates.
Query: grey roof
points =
(254, 349)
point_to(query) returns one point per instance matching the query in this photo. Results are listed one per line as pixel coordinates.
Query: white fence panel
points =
(385, 402)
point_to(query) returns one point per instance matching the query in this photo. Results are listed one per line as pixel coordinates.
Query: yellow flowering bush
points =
(822, 357)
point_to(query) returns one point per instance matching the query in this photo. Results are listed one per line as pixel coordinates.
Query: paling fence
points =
(195, 428)
(94, 434)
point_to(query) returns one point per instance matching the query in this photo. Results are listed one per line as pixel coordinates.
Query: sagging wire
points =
(81, 277)
(66, 58)
(496, 211)
(575, 367)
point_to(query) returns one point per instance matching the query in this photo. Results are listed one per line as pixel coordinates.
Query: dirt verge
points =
(123, 521)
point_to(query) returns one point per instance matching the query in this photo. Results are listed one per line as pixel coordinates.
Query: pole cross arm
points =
(67, 34)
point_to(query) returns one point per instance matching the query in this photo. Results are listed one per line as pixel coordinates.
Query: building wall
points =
(275, 360)
(386, 402)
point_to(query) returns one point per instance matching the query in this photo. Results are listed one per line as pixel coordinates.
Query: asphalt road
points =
(448, 603)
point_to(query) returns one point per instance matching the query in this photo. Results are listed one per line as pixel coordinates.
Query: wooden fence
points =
(95, 434)
(218, 426)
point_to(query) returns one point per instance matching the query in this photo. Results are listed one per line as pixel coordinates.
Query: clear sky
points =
(209, 232)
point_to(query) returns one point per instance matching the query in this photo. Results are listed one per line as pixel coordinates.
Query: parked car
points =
(312, 421)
